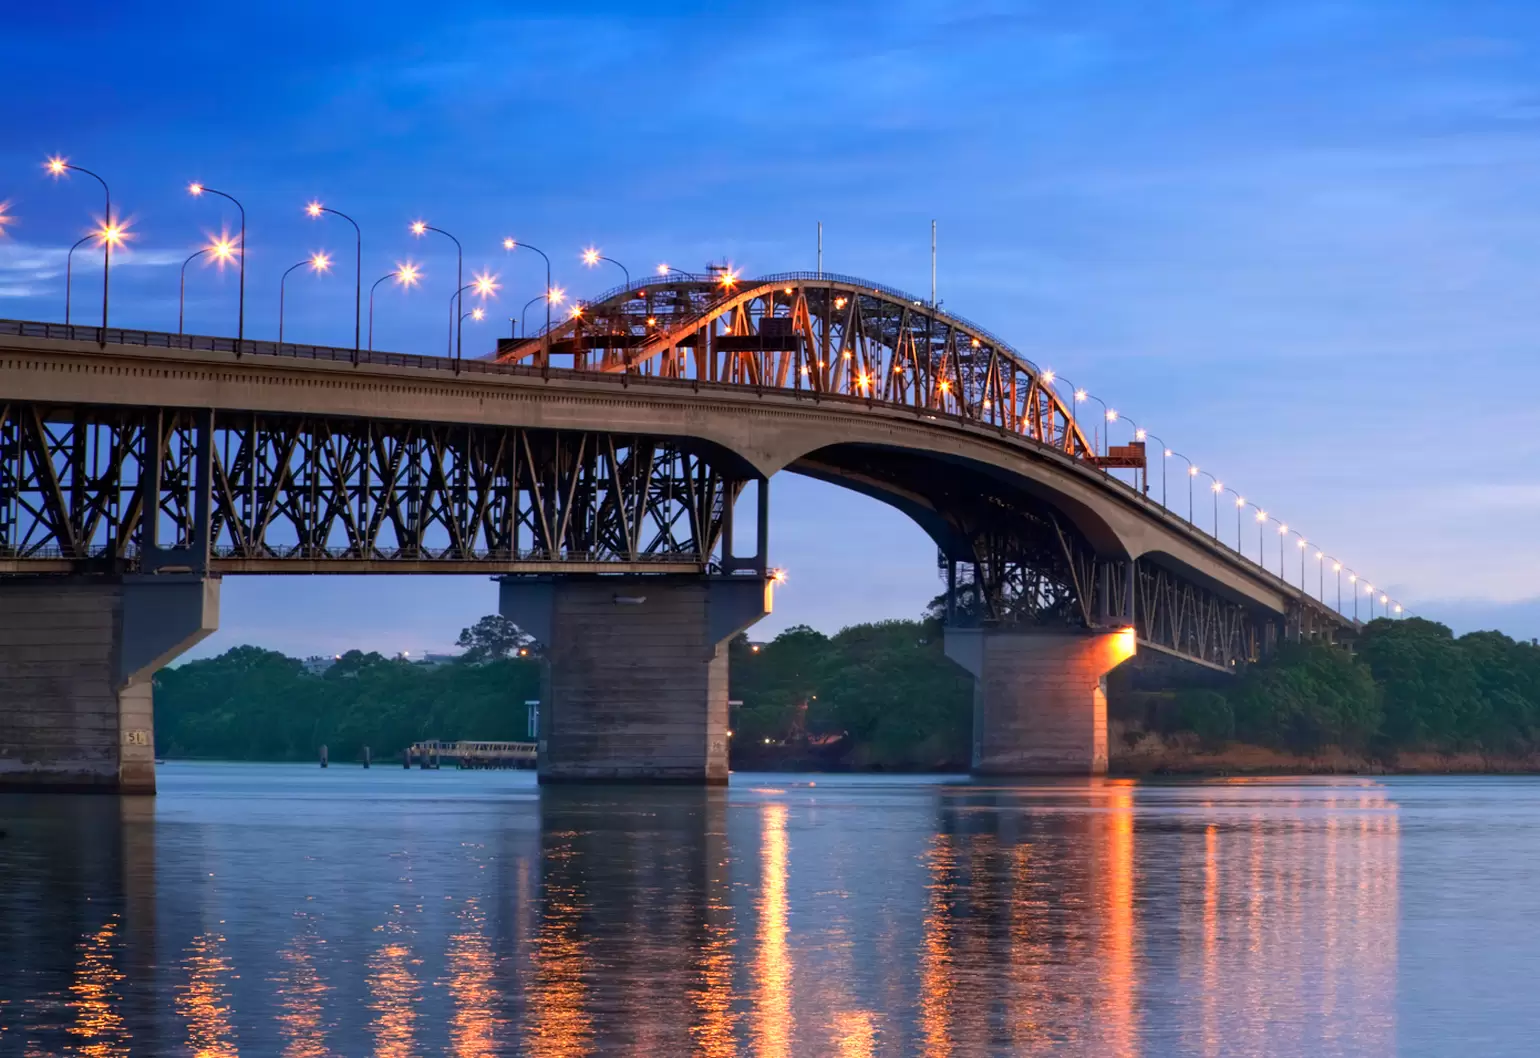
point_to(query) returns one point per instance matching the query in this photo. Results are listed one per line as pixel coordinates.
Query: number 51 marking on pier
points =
(136, 738)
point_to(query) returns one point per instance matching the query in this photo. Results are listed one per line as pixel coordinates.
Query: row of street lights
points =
(1111, 415)
(111, 232)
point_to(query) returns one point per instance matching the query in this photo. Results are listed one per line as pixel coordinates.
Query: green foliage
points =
(1411, 686)
(887, 687)
(492, 637)
(1207, 714)
(253, 704)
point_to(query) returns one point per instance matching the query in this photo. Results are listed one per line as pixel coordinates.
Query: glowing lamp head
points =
(1336, 567)
(864, 380)
(1218, 487)
(663, 269)
(314, 209)
(778, 575)
(195, 190)
(975, 343)
(418, 227)
(1353, 578)
(1283, 528)
(946, 387)
(1261, 516)
(590, 257)
(577, 312)
(110, 234)
(1080, 395)
(485, 285)
(1320, 554)
(320, 262)
(1240, 501)
(1398, 607)
(1302, 545)
(728, 278)
(222, 249)
(652, 321)
(1139, 434)
(787, 291)
(555, 295)
(1112, 415)
(4, 216)
(478, 314)
(839, 303)
(1384, 598)
(1192, 471)
(1047, 378)
(408, 274)
(509, 244)
(56, 165)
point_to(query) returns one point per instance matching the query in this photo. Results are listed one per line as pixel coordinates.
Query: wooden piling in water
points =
(323, 756)
(366, 756)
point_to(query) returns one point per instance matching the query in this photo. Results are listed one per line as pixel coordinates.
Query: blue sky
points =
(1300, 241)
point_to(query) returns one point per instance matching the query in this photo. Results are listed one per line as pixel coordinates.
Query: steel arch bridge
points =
(616, 441)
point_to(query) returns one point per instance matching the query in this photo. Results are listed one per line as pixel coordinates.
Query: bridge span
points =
(595, 469)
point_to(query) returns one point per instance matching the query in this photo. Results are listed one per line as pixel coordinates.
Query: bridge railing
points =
(255, 347)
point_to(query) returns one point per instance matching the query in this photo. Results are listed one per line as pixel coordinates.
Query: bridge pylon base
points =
(1039, 698)
(77, 657)
(635, 677)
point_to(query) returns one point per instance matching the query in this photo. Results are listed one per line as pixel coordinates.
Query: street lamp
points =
(69, 270)
(1165, 453)
(485, 285)
(318, 263)
(1216, 488)
(1353, 589)
(1303, 546)
(592, 257)
(110, 231)
(511, 245)
(240, 318)
(1240, 505)
(222, 249)
(1261, 535)
(315, 209)
(1336, 567)
(405, 274)
(524, 314)
(1283, 531)
(420, 229)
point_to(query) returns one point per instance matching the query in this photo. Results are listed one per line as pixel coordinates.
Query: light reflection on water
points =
(270, 910)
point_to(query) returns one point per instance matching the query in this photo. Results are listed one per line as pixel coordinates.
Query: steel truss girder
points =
(259, 492)
(824, 335)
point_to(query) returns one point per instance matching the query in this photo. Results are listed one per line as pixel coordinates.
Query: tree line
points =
(873, 696)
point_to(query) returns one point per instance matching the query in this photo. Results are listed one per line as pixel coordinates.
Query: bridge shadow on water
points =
(475, 914)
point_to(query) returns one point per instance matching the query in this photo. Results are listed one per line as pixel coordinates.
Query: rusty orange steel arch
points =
(824, 335)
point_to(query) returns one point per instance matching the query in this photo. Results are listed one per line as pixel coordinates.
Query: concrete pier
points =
(635, 680)
(77, 657)
(1039, 698)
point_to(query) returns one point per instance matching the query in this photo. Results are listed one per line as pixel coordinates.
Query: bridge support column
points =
(77, 657)
(635, 682)
(1039, 699)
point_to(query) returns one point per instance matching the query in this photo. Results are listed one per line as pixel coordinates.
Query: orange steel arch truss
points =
(819, 334)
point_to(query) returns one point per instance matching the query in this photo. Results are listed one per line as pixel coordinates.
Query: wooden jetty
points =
(464, 754)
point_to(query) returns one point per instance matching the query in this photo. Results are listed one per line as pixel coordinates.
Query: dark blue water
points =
(283, 910)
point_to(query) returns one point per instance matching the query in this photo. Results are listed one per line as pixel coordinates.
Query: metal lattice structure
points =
(814, 333)
(119, 489)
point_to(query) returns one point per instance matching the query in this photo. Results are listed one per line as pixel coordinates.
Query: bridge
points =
(595, 468)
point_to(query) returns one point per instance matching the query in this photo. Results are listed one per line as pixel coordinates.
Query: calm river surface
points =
(285, 910)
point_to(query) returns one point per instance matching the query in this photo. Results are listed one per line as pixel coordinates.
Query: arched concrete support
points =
(1039, 698)
(635, 680)
(77, 658)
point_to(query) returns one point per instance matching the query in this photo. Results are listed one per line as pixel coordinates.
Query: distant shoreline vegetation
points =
(883, 697)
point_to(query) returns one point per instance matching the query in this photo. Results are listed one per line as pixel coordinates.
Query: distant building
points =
(316, 664)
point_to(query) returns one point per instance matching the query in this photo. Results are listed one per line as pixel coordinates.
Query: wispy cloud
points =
(24, 267)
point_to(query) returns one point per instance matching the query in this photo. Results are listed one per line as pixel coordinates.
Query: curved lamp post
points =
(405, 274)
(1304, 545)
(1216, 488)
(524, 318)
(1165, 454)
(1283, 532)
(1240, 505)
(240, 318)
(110, 232)
(69, 272)
(315, 209)
(511, 244)
(318, 263)
(592, 257)
(420, 229)
(484, 285)
(223, 250)
(1261, 532)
